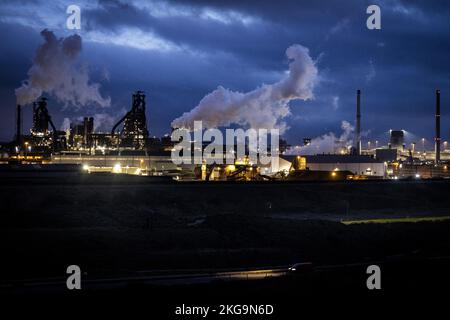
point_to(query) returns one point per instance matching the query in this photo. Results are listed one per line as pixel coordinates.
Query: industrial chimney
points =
(437, 139)
(358, 122)
(18, 124)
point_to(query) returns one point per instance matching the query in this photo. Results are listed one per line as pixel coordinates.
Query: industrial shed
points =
(357, 164)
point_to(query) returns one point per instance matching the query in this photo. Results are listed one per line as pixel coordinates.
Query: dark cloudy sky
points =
(178, 51)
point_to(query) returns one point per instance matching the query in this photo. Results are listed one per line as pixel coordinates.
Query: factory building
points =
(128, 162)
(422, 171)
(397, 139)
(135, 133)
(80, 134)
(362, 165)
(386, 155)
(128, 148)
(41, 139)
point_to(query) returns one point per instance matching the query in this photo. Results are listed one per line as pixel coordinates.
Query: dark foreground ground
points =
(410, 288)
(122, 226)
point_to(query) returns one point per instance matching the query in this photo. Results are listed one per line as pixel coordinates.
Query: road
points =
(189, 277)
(57, 284)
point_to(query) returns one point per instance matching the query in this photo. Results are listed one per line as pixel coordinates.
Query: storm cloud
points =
(179, 51)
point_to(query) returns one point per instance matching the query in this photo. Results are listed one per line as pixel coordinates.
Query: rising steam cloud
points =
(264, 107)
(102, 122)
(55, 72)
(327, 143)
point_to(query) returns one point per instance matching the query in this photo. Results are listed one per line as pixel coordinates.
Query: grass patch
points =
(396, 220)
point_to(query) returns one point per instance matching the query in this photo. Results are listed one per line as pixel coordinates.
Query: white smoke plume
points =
(104, 122)
(65, 125)
(327, 143)
(264, 107)
(55, 71)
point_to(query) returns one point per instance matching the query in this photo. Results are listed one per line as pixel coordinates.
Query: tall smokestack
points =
(437, 139)
(358, 122)
(18, 124)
